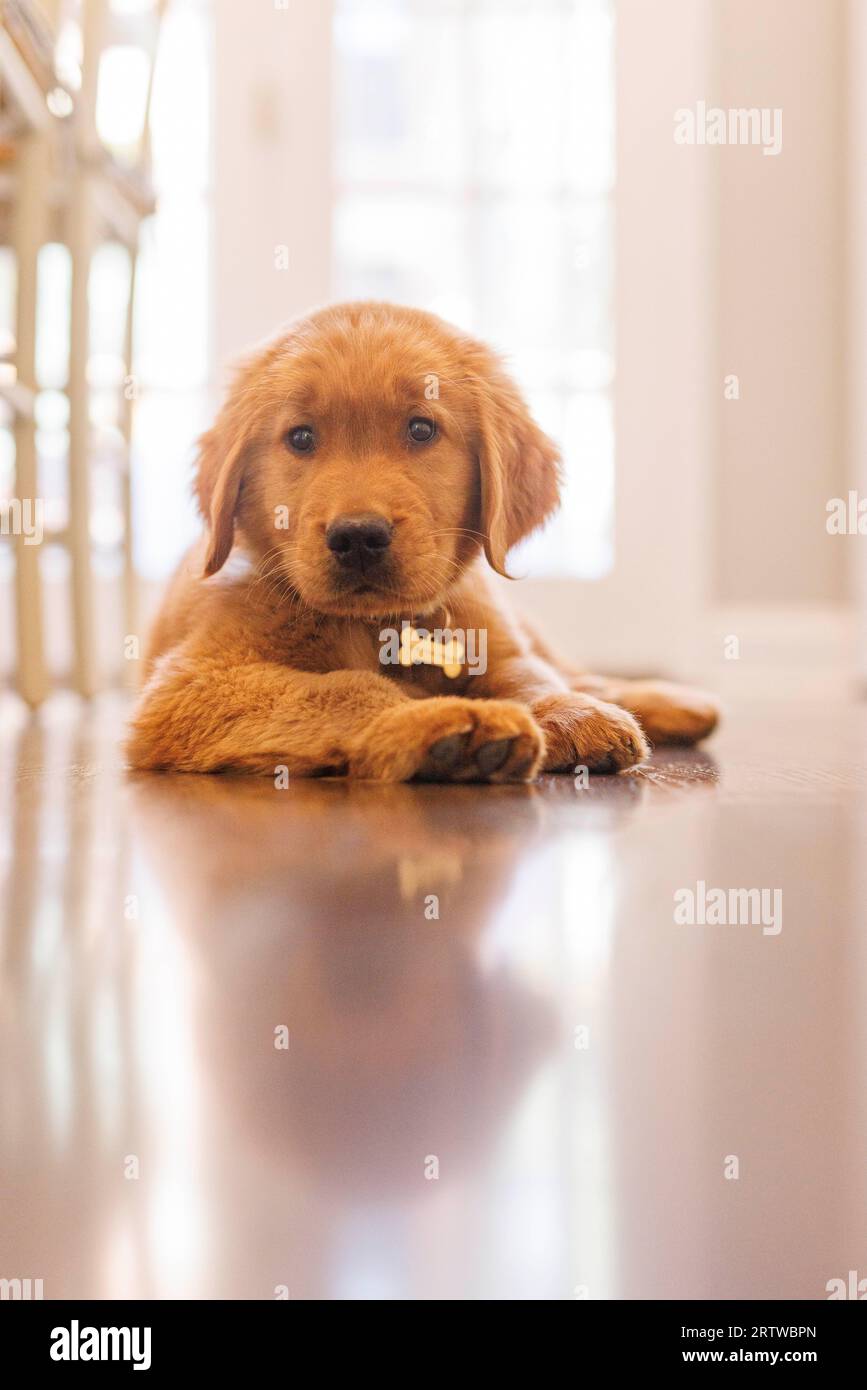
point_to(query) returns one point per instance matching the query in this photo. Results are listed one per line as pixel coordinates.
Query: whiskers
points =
(459, 531)
(272, 585)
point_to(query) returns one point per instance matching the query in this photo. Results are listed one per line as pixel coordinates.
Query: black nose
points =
(358, 541)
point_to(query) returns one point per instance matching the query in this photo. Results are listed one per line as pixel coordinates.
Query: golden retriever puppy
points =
(335, 618)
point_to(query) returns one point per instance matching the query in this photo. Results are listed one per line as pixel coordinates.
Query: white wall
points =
(781, 303)
(272, 163)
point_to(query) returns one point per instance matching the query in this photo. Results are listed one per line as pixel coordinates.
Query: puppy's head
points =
(367, 454)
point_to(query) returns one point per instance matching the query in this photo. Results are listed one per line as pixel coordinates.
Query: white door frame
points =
(272, 169)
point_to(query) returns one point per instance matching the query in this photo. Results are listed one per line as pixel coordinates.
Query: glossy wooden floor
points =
(579, 1070)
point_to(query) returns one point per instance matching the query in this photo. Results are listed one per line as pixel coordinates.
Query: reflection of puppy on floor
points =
(399, 1043)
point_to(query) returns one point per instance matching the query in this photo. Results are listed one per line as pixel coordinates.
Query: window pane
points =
(475, 166)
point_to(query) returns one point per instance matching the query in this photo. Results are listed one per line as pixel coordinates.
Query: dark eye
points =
(420, 430)
(301, 439)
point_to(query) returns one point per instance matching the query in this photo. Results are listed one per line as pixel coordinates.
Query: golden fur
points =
(266, 653)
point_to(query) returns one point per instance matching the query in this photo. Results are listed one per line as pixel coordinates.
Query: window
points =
(474, 178)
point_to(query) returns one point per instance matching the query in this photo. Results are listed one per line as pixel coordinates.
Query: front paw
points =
(583, 731)
(449, 739)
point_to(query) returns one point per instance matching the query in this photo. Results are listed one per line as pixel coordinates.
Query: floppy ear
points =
(227, 448)
(222, 455)
(519, 464)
